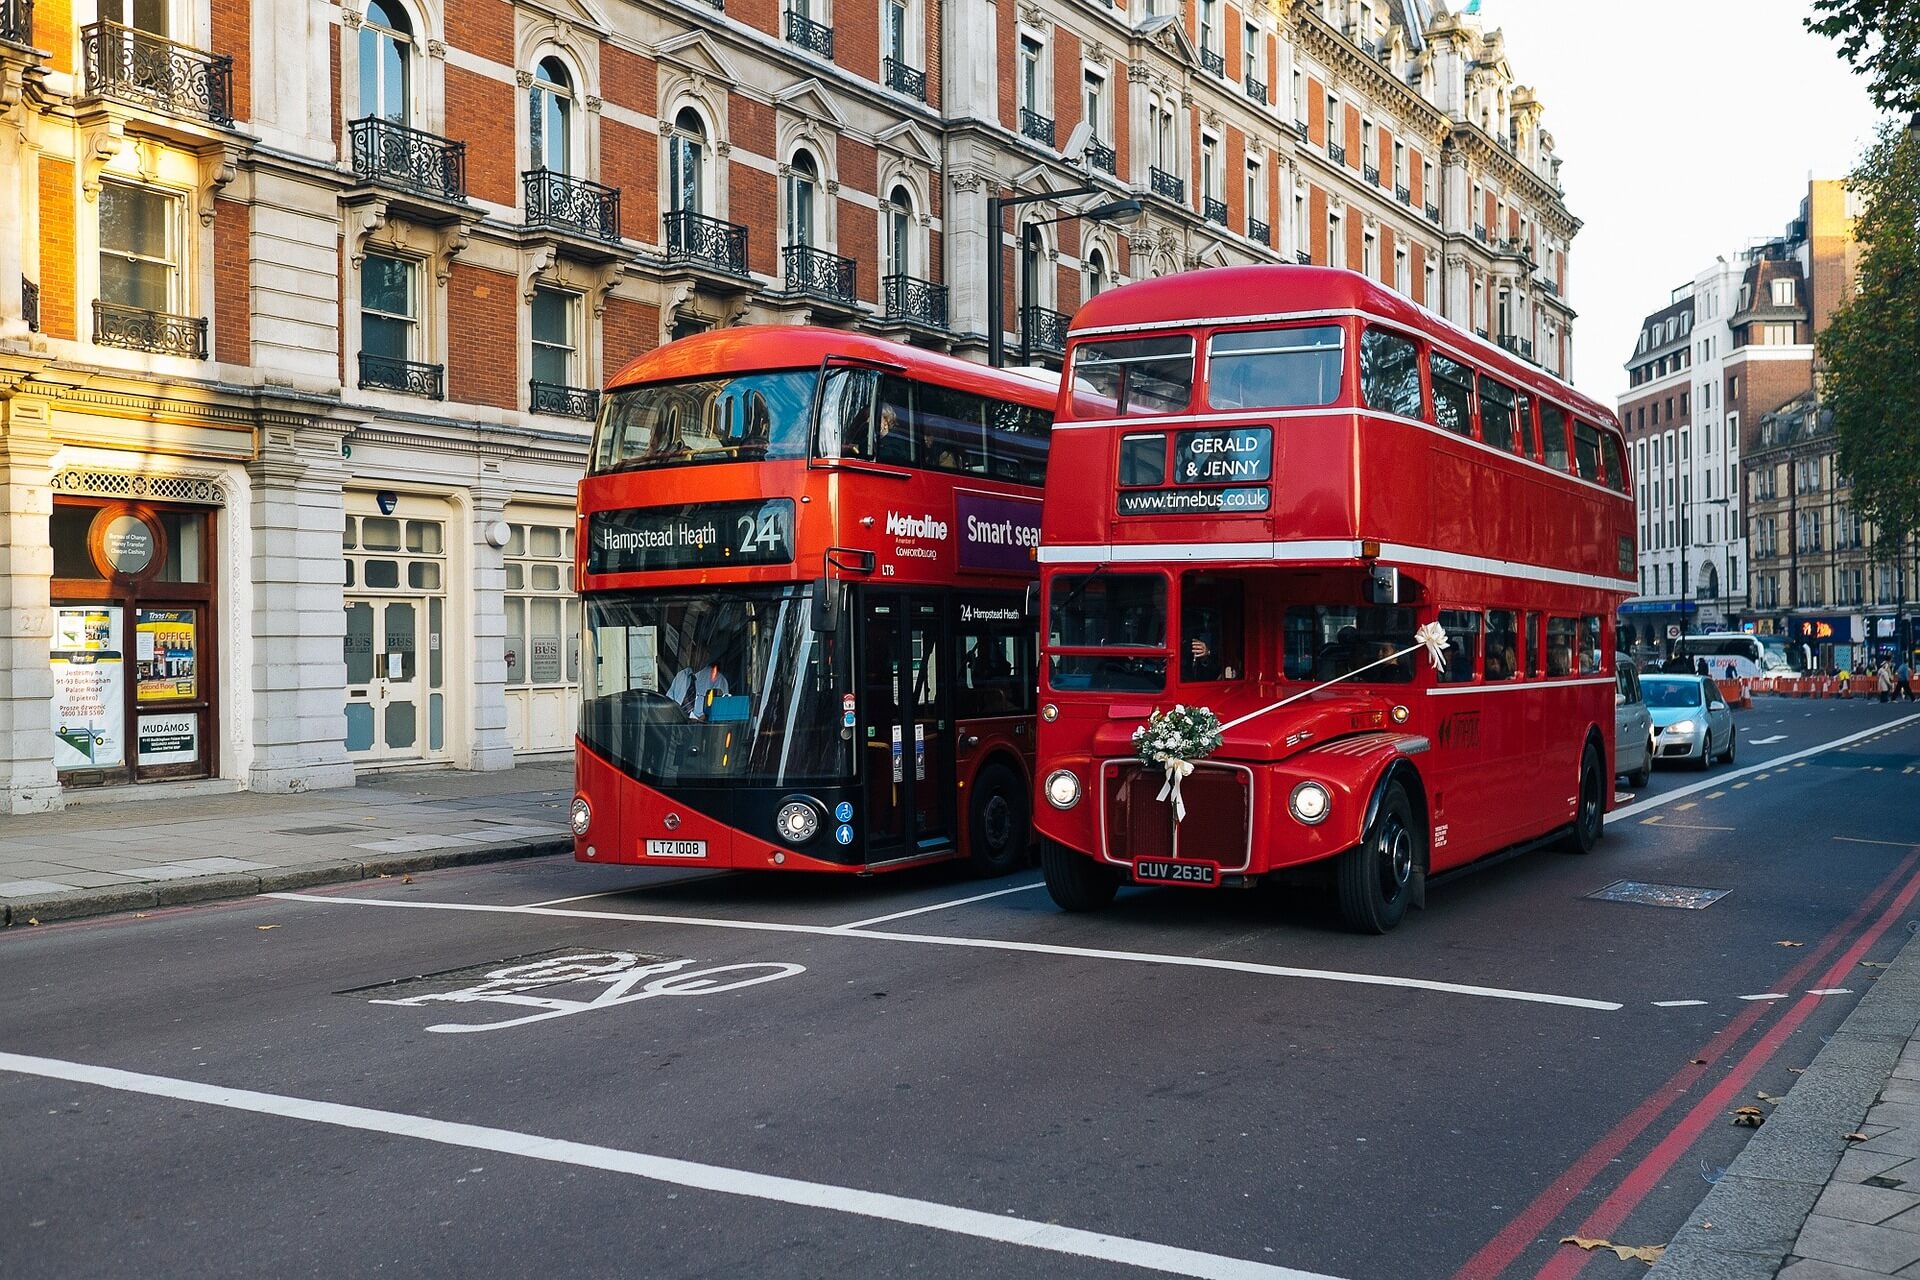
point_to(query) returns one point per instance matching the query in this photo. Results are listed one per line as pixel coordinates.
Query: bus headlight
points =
(579, 815)
(1063, 789)
(1309, 803)
(797, 821)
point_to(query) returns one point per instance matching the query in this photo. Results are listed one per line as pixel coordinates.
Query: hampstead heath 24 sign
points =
(696, 536)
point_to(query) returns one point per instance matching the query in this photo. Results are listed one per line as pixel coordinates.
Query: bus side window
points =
(1591, 661)
(1616, 463)
(1536, 655)
(1390, 373)
(1523, 418)
(1559, 646)
(952, 426)
(1503, 645)
(1016, 443)
(1496, 413)
(1586, 450)
(1452, 394)
(1553, 435)
(1463, 644)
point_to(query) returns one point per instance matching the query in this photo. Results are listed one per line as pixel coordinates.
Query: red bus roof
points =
(776, 346)
(1232, 295)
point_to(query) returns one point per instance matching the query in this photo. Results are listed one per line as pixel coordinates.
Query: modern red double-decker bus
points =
(803, 557)
(1300, 469)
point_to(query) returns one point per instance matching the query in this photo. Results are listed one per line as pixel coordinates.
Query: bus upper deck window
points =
(1390, 373)
(1553, 436)
(1496, 413)
(1274, 368)
(1132, 377)
(1586, 450)
(1452, 394)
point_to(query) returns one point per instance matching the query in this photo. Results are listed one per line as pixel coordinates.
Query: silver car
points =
(1691, 721)
(1632, 725)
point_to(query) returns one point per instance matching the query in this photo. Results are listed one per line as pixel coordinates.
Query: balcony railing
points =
(1214, 62)
(1102, 157)
(1043, 331)
(152, 71)
(1480, 332)
(1480, 232)
(1549, 285)
(1256, 89)
(30, 303)
(1162, 183)
(815, 271)
(1522, 347)
(395, 155)
(568, 203)
(1403, 195)
(1214, 210)
(902, 78)
(563, 401)
(1036, 126)
(706, 242)
(814, 37)
(137, 329)
(919, 301)
(408, 377)
(1300, 127)
(1371, 172)
(1336, 152)
(16, 21)
(1302, 257)
(1260, 231)
(1433, 213)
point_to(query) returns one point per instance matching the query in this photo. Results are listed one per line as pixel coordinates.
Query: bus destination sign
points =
(1223, 455)
(1182, 502)
(696, 536)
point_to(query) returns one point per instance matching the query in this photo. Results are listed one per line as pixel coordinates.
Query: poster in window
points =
(166, 655)
(168, 739)
(89, 688)
(546, 660)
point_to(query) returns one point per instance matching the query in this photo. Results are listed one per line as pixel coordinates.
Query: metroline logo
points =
(899, 526)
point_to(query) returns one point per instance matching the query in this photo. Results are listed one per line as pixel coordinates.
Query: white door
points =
(385, 721)
(396, 616)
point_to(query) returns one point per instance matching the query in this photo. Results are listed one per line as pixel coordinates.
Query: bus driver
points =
(698, 682)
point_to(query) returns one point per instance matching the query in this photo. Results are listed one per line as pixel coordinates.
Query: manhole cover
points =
(530, 972)
(1683, 896)
(317, 831)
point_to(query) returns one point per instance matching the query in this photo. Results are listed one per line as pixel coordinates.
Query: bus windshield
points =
(723, 685)
(1102, 610)
(751, 417)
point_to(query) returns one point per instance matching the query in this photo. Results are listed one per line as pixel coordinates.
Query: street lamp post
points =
(1113, 211)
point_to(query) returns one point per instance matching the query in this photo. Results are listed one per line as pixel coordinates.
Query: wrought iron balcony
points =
(563, 401)
(1478, 332)
(902, 78)
(1036, 126)
(1043, 331)
(1547, 283)
(1214, 62)
(30, 303)
(919, 301)
(1522, 347)
(815, 271)
(408, 377)
(1371, 173)
(1336, 152)
(1256, 89)
(137, 329)
(1403, 195)
(1300, 127)
(567, 203)
(1102, 157)
(1302, 257)
(1214, 210)
(1260, 231)
(1480, 232)
(1433, 213)
(706, 242)
(814, 37)
(152, 71)
(16, 21)
(1162, 183)
(395, 155)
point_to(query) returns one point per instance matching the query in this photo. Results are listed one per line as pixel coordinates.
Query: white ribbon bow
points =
(1176, 769)
(1434, 637)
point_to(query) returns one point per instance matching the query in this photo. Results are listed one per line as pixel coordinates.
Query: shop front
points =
(1831, 642)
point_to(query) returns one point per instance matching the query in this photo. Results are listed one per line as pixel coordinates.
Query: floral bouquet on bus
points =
(1172, 741)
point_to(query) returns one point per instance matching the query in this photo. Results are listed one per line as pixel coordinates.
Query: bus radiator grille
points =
(1140, 826)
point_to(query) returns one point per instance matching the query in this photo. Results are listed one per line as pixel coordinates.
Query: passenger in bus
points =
(1559, 655)
(1340, 657)
(698, 682)
(891, 442)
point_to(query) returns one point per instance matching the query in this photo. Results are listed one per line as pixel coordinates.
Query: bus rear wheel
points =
(1373, 881)
(997, 822)
(1589, 820)
(1076, 882)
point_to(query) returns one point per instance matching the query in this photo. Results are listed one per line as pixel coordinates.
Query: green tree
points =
(1870, 351)
(1881, 38)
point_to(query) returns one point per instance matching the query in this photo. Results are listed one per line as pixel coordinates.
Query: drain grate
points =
(529, 972)
(317, 831)
(1681, 896)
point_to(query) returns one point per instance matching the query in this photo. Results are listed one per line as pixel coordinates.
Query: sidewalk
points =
(134, 854)
(1801, 1201)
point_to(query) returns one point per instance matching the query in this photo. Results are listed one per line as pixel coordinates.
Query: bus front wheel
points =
(997, 822)
(1076, 882)
(1374, 879)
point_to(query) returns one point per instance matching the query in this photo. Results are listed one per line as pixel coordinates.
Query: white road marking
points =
(1684, 826)
(1897, 844)
(1022, 1232)
(980, 944)
(1831, 991)
(942, 906)
(1681, 793)
(1676, 1004)
(1767, 995)
(1762, 742)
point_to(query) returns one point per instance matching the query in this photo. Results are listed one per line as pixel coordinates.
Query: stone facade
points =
(326, 289)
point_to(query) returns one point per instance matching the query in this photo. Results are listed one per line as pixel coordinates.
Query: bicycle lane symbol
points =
(619, 972)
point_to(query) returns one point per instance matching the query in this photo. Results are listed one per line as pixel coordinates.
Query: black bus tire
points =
(997, 830)
(1373, 881)
(1076, 882)
(1590, 813)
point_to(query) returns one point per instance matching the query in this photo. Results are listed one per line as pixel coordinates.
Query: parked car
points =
(1691, 721)
(1632, 724)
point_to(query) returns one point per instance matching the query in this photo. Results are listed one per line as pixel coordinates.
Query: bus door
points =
(904, 727)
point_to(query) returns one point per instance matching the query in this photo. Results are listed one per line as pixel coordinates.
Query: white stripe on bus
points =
(1310, 549)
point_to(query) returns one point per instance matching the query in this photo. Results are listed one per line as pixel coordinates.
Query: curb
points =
(115, 899)
(1760, 1204)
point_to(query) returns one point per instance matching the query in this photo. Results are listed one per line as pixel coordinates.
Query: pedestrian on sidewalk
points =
(1903, 682)
(1883, 679)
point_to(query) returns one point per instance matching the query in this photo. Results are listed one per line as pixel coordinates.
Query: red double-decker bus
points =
(802, 559)
(1300, 470)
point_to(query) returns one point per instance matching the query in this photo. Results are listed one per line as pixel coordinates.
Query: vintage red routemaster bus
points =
(1301, 470)
(803, 557)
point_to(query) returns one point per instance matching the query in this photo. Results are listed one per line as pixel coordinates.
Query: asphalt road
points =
(695, 1075)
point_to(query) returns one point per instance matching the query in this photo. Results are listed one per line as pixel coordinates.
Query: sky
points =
(1686, 129)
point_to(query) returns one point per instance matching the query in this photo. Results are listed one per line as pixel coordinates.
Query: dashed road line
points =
(1677, 1004)
(1715, 795)
(1897, 844)
(1768, 995)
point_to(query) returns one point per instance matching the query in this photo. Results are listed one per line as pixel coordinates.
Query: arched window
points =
(386, 56)
(803, 190)
(686, 163)
(550, 117)
(899, 229)
(1096, 275)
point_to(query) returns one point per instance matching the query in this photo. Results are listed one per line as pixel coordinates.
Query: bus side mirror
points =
(1030, 604)
(829, 594)
(1383, 585)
